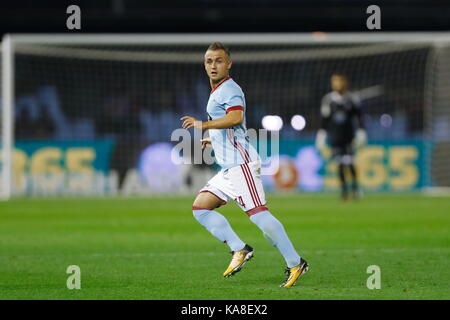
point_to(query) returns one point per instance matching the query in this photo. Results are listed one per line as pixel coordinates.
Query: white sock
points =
(219, 227)
(274, 231)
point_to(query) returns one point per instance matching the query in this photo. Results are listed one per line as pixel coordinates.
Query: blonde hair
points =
(219, 46)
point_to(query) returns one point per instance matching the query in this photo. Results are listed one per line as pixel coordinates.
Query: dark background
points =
(90, 90)
(27, 16)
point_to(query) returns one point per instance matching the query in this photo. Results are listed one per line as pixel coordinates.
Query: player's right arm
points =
(231, 119)
(231, 100)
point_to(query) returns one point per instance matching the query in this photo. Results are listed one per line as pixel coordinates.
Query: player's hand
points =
(206, 143)
(191, 122)
(360, 138)
(321, 139)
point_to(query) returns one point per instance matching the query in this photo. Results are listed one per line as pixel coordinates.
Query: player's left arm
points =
(231, 119)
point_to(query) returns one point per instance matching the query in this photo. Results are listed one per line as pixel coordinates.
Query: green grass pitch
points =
(146, 248)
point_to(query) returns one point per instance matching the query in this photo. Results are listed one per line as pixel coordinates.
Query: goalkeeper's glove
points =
(360, 138)
(321, 139)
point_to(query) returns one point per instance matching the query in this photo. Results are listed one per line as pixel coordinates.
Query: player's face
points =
(339, 84)
(217, 65)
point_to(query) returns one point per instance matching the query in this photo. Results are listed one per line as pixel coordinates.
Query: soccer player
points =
(341, 123)
(239, 178)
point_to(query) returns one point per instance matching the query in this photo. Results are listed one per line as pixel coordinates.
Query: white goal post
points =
(259, 48)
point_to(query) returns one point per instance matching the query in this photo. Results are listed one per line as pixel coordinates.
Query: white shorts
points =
(242, 184)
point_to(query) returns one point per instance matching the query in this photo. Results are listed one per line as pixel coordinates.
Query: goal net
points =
(94, 114)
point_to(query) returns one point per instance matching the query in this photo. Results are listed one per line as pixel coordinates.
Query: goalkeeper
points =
(342, 126)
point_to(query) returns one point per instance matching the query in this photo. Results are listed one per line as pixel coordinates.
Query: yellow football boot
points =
(239, 259)
(294, 273)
